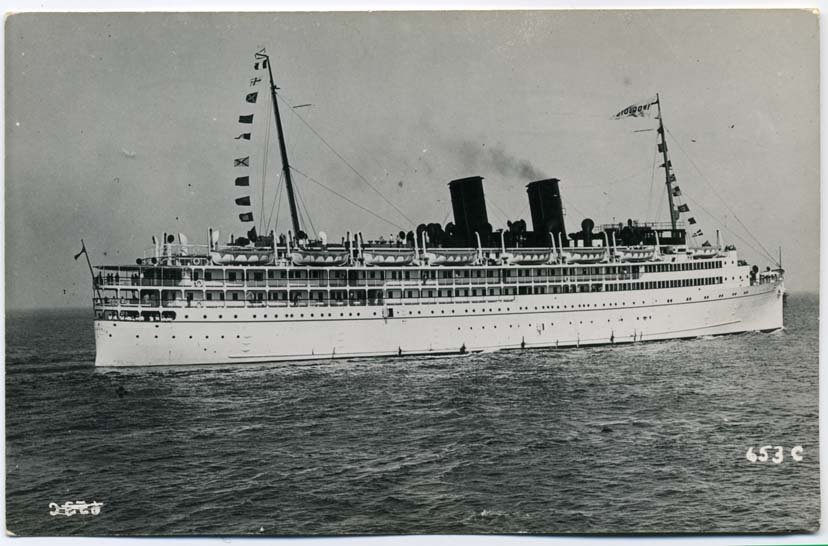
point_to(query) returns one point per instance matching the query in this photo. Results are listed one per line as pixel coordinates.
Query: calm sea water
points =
(643, 438)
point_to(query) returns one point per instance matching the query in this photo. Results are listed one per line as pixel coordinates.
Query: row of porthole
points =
(442, 311)
(459, 328)
(137, 336)
(510, 326)
(570, 322)
(322, 315)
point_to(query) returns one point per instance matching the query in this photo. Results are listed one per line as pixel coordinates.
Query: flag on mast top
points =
(643, 109)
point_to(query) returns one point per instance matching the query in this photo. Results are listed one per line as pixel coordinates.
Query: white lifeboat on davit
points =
(635, 253)
(319, 258)
(388, 256)
(585, 255)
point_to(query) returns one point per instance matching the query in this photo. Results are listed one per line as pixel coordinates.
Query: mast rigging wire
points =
(331, 148)
(265, 155)
(276, 193)
(307, 211)
(279, 206)
(354, 203)
(729, 230)
(713, 189)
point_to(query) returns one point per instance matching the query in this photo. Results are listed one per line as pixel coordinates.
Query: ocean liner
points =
(452, 289)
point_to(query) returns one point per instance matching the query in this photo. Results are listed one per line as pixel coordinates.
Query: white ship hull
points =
(273, 334)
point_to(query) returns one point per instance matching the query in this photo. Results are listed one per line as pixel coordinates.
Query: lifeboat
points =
(239, 256)
(528, 256)
(587, 255)
(704, 252)
(387, 256)
(451, 257)
(635, 253)
(319, 258)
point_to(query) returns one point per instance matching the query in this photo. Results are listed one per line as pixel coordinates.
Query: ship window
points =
(235, 297)
(231, 276)
(195, 275)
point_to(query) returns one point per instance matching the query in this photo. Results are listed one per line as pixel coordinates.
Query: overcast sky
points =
(119, 127)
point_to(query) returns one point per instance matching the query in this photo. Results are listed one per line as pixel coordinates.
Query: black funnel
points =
(547, 210)
(469, 206)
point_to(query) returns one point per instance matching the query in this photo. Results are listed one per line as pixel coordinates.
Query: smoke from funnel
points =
(505, 164)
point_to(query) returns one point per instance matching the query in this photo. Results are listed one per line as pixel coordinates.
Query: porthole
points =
(205, 316)
(137, 336)
(220, 316)
(191, 337)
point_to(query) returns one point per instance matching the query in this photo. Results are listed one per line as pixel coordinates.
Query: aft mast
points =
(668, 174)
(294, 216)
